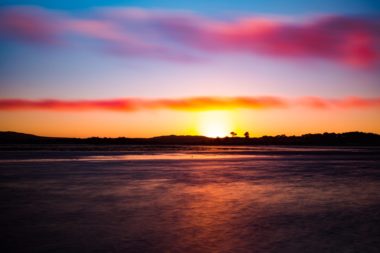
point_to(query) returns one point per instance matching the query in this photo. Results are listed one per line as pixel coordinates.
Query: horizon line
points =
(187, 135)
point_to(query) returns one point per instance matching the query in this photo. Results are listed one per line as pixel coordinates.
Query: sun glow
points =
(215, 123)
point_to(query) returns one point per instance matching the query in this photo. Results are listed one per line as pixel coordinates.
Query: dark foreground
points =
(197, 199)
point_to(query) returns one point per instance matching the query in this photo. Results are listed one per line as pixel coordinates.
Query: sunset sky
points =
(149, 68)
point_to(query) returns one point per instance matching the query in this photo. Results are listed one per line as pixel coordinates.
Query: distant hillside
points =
(15, 137)
(325, 139)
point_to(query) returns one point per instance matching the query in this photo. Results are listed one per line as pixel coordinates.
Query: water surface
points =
(191, 199)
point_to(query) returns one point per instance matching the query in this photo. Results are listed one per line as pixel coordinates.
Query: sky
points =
(150, 68)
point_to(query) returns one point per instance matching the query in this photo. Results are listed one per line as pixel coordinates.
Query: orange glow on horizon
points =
(215, 123)
(210, 123)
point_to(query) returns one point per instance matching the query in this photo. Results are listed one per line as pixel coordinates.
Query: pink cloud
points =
(36, 25)
(346, 40)
(29, 24)
(181, 36)
(357, 102)
(137, 104)
(119, 41)
(345, 103)
(188, 104)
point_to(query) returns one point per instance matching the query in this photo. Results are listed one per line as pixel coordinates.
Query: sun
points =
(215, 123)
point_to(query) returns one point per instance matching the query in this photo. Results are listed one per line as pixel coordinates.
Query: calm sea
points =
(190, 199)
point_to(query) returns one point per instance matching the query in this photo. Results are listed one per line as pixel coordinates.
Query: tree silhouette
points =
(246, 135)
(233, 134)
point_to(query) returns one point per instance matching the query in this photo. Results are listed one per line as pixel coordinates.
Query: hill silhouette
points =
(325, 139)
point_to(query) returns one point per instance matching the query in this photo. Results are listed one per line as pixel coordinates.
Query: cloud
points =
(29, 24)
(348, 102)
(347, 40)
(357, 102)
(40, 26)
(120, 41)
(188, 104)
(182, 36)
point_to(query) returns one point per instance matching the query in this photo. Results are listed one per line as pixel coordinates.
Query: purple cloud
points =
(182, 36)
(29, 24)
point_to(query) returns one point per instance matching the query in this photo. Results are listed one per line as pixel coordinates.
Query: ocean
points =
(190, 199)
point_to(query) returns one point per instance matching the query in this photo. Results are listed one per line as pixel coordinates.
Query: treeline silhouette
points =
(325, 139)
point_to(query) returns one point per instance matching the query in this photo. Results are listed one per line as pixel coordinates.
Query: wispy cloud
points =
(347, 40)
(188, 104)
(348, 102)
(30, 24)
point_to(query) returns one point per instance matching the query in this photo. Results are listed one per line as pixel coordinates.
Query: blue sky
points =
(289, 7)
